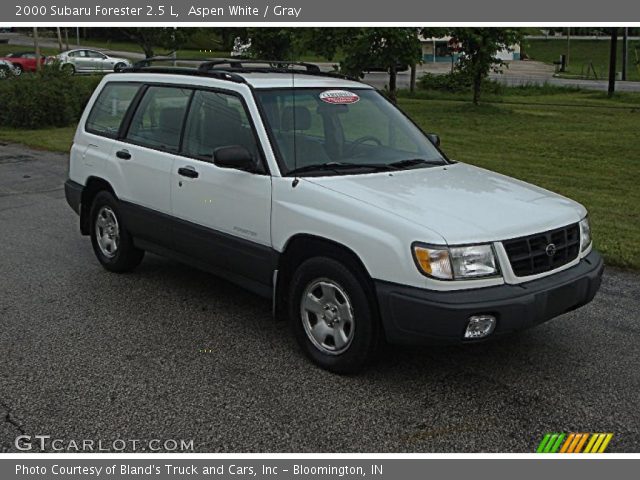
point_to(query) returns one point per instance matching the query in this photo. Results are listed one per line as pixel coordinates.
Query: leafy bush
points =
(456, 82)
(50, 98)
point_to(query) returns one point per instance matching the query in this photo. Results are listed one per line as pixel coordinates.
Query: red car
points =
(23, 61)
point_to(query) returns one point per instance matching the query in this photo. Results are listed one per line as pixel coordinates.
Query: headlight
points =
(585, 233)
(472, 261)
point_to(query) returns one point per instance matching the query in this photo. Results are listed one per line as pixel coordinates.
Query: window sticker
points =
(339, 97)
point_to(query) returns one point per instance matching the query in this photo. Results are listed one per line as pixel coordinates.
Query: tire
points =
(17, 70)
(118, 67)
(4, 72)
(112, 244)
(338, 329)
(69, 69)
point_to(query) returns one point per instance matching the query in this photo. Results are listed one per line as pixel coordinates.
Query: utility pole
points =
(66, 37)
(625, 52)
(612, 61)
(36, 46)
(566, 61)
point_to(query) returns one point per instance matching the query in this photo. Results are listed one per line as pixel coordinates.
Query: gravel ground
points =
(168, 352)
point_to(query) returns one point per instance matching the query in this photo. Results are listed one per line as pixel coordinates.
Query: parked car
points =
(24, 61)
(318, 193)
(6, 69)
(90, 61)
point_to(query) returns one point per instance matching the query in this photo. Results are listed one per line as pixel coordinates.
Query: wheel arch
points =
(91, 189)
(301, 247)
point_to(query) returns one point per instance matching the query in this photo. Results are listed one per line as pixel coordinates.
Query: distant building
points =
(442, 49)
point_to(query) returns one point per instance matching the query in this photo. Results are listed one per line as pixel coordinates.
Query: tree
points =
(150, 39)
(272, 43)
(478, 49)
(381, 48)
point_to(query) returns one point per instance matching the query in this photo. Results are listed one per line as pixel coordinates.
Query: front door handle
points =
(189, 172)
(123, 154)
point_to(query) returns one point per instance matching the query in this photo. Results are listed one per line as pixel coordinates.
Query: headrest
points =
(302, 117)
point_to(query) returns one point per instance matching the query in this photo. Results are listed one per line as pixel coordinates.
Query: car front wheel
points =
(17, 70)
(332, 316)
(112, 244)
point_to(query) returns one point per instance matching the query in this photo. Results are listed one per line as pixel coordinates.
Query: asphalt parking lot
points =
(168, 352)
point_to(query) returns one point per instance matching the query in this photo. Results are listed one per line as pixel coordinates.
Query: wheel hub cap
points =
(107, 232)
(327, 316)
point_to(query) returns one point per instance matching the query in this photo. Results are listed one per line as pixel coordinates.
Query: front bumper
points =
(417, 316)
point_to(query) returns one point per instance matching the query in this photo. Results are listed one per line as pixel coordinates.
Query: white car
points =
(84, 60)
(6, 69)
(318, 193)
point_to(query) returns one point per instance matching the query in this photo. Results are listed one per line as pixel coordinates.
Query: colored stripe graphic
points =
(574, 443)
(605, 443)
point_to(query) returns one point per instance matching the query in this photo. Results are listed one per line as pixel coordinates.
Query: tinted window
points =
(92, 54)
(217, 120)
(108, 111)
(157, 122)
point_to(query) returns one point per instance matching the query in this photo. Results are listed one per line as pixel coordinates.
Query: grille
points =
(528, 255)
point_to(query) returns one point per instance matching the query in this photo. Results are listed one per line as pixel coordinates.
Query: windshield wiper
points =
(410, 162)
(340, 166)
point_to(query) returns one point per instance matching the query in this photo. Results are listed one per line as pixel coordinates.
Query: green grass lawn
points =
(53, 139)
(582, 53)
(588, 149)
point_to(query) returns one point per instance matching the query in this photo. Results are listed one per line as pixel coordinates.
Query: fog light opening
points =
(480, 326)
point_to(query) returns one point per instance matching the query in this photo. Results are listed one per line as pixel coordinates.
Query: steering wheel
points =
(359, 141)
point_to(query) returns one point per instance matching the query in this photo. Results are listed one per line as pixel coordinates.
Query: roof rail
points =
(219, 74)
(228, 68)
(243, 64)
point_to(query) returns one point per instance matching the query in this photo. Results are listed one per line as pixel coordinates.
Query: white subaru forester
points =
(315, 191)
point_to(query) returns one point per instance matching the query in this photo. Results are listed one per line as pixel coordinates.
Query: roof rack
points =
(214, 67)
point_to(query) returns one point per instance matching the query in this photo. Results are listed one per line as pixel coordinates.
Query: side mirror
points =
(433, 138)
(235, 156)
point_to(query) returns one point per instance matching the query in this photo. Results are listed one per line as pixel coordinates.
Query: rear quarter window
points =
(110, 107)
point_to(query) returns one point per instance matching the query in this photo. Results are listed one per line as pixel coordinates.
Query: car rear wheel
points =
(112, 244)
(332, 316)
(4, 71)
(69, 69)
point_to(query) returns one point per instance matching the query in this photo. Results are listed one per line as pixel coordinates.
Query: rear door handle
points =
(189, 172)
(123, 154)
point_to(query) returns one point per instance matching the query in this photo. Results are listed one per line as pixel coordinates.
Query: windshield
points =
(319, 130)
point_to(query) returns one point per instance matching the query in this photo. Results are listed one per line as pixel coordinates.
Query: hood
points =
(463, 203)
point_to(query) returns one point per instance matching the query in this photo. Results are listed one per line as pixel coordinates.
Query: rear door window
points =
(110, 107)
(157, 122)
(217, 120)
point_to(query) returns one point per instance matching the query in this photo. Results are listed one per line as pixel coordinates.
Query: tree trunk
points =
(393, 75)
(59, 35)
(477, 86)
(612, 61)
(412, 84)
(148, 51)
(36, 47)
